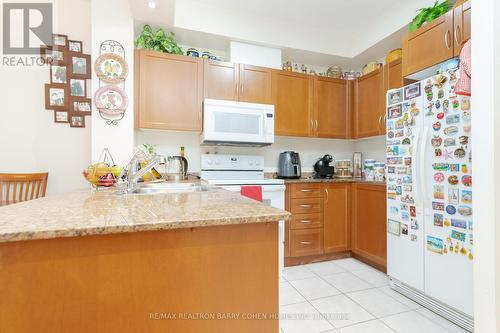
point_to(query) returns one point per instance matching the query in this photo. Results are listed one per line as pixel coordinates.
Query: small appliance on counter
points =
(176, 168)
(323, 169)
(289, 165)
(343, 168)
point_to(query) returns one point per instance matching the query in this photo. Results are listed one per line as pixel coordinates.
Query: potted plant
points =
(157, 41)
(429, 14)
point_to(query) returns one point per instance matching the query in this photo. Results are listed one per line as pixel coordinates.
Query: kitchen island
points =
(178, 262)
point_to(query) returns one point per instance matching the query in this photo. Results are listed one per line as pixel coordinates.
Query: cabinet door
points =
(255, 84)
(429, 45)
(331, 108)
(461, 26)
(292, 98)
(336, 217)
(221, 80)
(369, 238)
(168, 91)
(393, 75)
(369, 105)
(287, 223)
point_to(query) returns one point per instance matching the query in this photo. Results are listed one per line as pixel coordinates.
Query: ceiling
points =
(327, 30)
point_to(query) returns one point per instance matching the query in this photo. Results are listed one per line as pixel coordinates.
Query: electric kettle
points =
(177, 167)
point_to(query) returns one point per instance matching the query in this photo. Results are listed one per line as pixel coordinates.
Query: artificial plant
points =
(429, 14)
(157, 40)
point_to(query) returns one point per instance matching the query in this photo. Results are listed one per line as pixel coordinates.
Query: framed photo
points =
(58, 74)
(75, 46)
(394, 96)
(61, 117)
(60, 41)
(77, 87)
(394, 227)
(56, 96)
(80, 106)
(412, 91)
(54, 56)
(79, 65)
(76, 120)
(394, 111)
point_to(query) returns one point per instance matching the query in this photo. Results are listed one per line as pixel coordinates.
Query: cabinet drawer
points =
(305, 190)
(306, 206)
(306, 242)
(306, 221)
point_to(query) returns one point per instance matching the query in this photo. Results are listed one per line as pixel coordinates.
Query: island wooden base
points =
(210, 279)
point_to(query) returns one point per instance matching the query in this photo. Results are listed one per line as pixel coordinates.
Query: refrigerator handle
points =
(415, 169)
(421, 162)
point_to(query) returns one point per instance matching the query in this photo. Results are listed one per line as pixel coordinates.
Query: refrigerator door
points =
(448, 193)
(405, 246)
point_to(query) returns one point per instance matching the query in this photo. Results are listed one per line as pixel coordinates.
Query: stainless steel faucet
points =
(133, 170)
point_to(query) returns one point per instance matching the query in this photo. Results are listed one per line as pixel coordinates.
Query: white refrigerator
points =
(429, 196)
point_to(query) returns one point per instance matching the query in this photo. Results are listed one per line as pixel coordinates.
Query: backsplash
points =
(310, 149)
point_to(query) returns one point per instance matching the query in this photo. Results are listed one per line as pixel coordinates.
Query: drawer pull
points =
(306, 242)
(305, 190)
(305, 221)
(306, 206)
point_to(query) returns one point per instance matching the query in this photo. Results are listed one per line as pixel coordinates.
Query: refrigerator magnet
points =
(452, 119)
(439, 177)
(404, 229)
(413, 238)
(449, 142)
(436, 141)
(436, 126)
(394, 111)
(458, 223)
(395, 96)
(451, 130)
(460, 236)
(466, 197)
(413, 211)
(453, 180)
(435, 244)
(467, 180)
(450, 209)
(439, 192)
(438, 206)
(448, 154)
(465, 210)
(412, 91)
(454, 167)
(453, 196)
(414, 224)
(393, 227)
(438, 220)
(438, 152)
(459, 153)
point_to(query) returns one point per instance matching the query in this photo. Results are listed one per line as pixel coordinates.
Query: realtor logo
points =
(26, 26)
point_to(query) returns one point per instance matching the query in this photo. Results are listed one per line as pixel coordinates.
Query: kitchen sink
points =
(158, 188)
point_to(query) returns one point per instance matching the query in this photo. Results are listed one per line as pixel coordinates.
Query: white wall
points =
(310, 149)
(486, 148)
(244, 53)
(112, 19)
(30, 141)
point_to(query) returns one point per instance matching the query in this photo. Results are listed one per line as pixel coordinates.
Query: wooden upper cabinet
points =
(168, 91)
(369, 104)
(429, 45)
(393, 75)
(336, 217)
(292, 99)
(461, 26)
(221, 80)
(369, 231)
(255, 84)
(331, 111)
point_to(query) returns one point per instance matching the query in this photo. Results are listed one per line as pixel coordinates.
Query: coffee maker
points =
(322, 167)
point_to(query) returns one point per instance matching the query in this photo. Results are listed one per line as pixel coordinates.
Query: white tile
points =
(372, 326)
(445, 323)
(400, 298)
(312, 288)
(325, 268)
(341, 311)
(412, 322)
(289, 295)
(297, 273)
(305, 319)
(377, 303)
(347, 282)
(350, 264)
(372, 276)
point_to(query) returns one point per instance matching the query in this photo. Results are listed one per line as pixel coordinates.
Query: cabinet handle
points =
(306, 206)
(306, 242)
(456, 34)
(305, 221)
(327, 195)
(312, 124)
(241, 89)
(316, 124)
(447, 39)
(305, 190)
(236, 91)
(379, 121)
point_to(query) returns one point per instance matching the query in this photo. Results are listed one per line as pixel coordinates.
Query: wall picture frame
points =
(77, 87)
(58, 74)
(80, 106)
(53, 56)
(61, 117)
(77, 121)
(79, 65)
(56, 96)
(60, 41)
(75, 46)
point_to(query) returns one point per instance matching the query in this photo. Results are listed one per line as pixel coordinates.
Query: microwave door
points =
(238, 126)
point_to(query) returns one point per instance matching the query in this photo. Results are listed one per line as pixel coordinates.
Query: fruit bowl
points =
(102, 175)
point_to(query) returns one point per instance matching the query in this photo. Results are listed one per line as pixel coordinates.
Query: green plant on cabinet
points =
(158, 41)
(429, 14)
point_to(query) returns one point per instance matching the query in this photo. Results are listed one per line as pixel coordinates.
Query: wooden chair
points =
(18, 187)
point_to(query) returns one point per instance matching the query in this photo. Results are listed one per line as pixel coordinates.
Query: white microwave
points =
(237, 123)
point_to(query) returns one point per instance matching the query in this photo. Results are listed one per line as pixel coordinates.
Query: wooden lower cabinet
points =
(336, 217)
(369, 231)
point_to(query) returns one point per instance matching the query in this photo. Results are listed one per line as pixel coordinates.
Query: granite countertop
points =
(89, 212)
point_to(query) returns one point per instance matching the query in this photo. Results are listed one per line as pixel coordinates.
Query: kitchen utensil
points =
(176, 167)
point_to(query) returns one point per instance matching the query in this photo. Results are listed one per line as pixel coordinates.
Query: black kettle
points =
(322, 167)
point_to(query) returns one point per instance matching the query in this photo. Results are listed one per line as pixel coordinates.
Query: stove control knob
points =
(209, 162)
(250, 162)
(217, 161)
(257, 162)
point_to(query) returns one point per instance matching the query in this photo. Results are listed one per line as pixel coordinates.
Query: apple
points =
(117, 170)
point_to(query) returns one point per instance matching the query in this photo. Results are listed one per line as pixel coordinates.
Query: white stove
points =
(231, 172)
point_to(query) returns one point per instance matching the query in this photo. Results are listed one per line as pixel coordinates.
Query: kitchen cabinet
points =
(292, 96)
(461, 26)
(168, 91)
(332, 118)
(336, 217)
(369, 238)
(369, 105)
(237, 82)
(393, 75)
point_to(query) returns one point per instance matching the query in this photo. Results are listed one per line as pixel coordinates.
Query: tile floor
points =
(347, 296)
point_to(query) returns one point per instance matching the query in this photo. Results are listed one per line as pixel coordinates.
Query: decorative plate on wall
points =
(111, 100)
(111, 68)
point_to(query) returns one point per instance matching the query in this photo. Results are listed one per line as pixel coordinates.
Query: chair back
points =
(18, 187)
